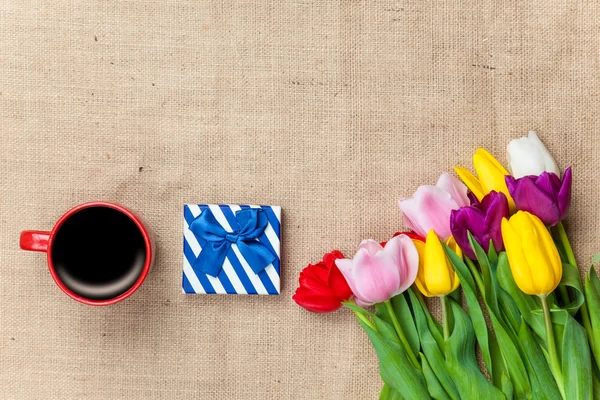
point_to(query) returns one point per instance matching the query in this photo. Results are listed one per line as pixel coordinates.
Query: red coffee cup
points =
(98, 253)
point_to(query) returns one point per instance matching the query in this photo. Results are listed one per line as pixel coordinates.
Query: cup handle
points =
(35, 240)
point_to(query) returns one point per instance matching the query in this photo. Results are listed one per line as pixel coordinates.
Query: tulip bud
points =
(430, 206)
(436, 276)
(532, 254)
(483, 221)
(545, 196)
(529, 156)
(490, 177)
(322, 286)
(376, 274)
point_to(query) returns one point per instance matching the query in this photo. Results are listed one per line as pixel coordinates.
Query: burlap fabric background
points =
(332, 109)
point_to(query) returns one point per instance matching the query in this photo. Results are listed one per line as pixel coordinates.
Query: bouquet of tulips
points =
(495, 254)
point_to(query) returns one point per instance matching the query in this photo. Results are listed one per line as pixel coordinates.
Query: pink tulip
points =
(430, 206)
(376, 274)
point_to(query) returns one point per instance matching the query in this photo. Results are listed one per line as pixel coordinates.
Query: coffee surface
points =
(99, 253)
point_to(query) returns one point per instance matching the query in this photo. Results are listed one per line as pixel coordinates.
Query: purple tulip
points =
(483, 220)
(545, 196)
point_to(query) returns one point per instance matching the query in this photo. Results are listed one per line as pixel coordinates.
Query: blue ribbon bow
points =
(251, 224)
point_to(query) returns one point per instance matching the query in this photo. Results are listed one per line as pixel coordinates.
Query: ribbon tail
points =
(211, 258)
(256, 254)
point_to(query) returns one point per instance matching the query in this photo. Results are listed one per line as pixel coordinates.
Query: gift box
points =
(231, 249)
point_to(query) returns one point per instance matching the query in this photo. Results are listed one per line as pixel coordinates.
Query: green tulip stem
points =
(551, 343)
(445, 323)
(562, 234)
(475, 274)
(560, 229)
(365, 320)
(585, 315)
(401, 336)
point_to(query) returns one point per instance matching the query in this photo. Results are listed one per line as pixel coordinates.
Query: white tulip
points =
(529, 156)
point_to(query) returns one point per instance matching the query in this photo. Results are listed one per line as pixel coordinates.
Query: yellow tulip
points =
(490, 176)
(436, 276)
(533, 257)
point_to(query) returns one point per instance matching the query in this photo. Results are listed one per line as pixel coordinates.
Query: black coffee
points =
(99, 253)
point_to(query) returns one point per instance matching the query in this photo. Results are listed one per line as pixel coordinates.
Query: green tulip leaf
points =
(543, 384)
(431, 349)
(435, 328)
(559, 244)
(386, 330)
(352, 306)
(508, 342)
(509, 310)
(489, 296)
(592, 296)
(576, 362)
(436, 391)
(571, 278)
(594, 279)
(596, 259)
(492, 255)
(461, 361)
(468, 284)
(507, 387)
(405, 319)
(596, 386)
(394, 366)
(526, 304)
(515, 368)
(387, 393)
(505, 334)
(499, 376)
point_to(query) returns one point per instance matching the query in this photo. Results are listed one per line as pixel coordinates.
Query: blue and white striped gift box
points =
(236, 277)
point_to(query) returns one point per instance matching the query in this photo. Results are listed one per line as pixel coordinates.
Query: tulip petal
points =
(548, 182)
(463, 221)
(314, 276)
(362, 303)
(528, 156)
(411, 235)
(453, 245)
(372, 246)
(428, 209)
(337, 284)
(511, 184)
(458, 191)
(514, 249)
(319, 303)
(404, 253)
(346, 267)
(524, 159)
(549, 163)
(532, 199)
(420, 279)
(471, 181)
(437, 275)
(376, 277)
(544, 252)
(471, 218)
(564, 194)
(406, 219)
(496, 208)
(451, 242)
(486, 161)
(329, 258)
(537, 256)
(491, 174)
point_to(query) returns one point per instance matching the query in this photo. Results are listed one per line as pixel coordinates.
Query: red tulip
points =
(322, 286)
(412, 235)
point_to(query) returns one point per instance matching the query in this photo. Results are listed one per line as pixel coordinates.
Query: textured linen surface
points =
(332, 109)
